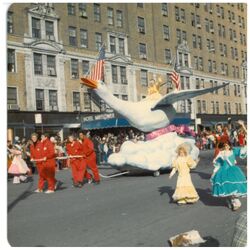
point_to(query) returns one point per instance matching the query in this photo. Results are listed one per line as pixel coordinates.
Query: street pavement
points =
(126, 211)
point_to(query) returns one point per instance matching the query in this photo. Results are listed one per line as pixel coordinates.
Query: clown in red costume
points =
(37, 155)
(77, 161)
(50, 163)
(89, 153)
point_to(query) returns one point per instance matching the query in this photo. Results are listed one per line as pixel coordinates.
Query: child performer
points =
(18, 166)
(227, 179)
(185, 191)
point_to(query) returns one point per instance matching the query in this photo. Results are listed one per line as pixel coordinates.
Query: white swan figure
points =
(150, 113)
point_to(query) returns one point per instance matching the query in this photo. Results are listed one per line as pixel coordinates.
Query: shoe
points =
(38, 191)
(90, 181)
(96, 182)
(79, 185)
(49, 192)
(75, 185)
(58, 184)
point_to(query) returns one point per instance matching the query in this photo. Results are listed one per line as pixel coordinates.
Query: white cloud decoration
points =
(153, 154)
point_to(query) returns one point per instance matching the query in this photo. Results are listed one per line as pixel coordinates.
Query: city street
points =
(126, 211)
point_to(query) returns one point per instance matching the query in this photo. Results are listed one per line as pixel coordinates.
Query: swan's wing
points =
(183, 95)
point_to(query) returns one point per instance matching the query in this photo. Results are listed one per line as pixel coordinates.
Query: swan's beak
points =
(90, 83)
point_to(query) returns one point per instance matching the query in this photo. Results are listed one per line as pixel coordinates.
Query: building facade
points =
(50, 46)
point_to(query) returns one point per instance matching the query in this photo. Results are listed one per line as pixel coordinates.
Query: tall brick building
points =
(50, 46)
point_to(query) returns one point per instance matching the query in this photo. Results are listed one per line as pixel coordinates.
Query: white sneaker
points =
(90, 181)
(38, 191)
(23, 177)
(49, 192)
(16, 180)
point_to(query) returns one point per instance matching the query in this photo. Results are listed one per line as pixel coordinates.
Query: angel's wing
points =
(183, 95)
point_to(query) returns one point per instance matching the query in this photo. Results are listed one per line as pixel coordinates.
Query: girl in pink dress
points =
(18, 166)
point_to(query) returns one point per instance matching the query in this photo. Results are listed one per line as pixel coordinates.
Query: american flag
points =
(97, 72)
(175, 77)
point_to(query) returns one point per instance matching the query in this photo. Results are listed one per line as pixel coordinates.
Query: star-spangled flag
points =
(97, 72)
(175, 77)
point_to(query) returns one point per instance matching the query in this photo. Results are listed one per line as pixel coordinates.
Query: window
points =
(10, 22)
(223, 31)
(74, 68)
(177, 14)
(207, 24)
(53, 100)
(164, 9)
(141, 25)
(238, 90)
(49, 30)
(198, 106)
(194, 41)
(12, 95)
(236, 108)
(76, 100)
(98, 41)
(186, 64)
(235, 90)
(97, 12)
(38, 66)
(217, 108)
(84, 38)
(237, 72)
(85, 67)
(187, 82)
(184, 36)
(225, 108)
(144, 77)
(166, 35)
(114, 74)
(211, 26)
(196, 63)
(110, 16)
(87, 101)
(168, 55)
(83, 10)
(183, 18)
(209, 66)
(112, 44)
(204, 106)
(124, 97)
(119, 18)
(142, 51)
(11, 61)
(197, 83)
(71, 9)
(212, 107)
(39, 99)
(222, 12)
(121, 46)
(178, 36)
(123, 75)
(72, 36)
(214, 67)
(200, 63)
(199, 40)
(51, 65)
(36, 28)
(140, 5)
(229, 107)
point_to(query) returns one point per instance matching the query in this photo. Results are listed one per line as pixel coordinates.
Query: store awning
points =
(121, 122)
(106, 123)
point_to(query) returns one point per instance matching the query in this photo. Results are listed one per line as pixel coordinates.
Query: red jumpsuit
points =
(88, 151)
(224, 138)
(78, 165)
(37, 153)
(50, 163)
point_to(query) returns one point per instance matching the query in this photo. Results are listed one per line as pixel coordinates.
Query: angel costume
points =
(185, 191)
(228, 179)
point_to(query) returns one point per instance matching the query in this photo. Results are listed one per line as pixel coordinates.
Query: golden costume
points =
(185, 191)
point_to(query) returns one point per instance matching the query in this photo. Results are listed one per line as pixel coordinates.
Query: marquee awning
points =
(121, 122)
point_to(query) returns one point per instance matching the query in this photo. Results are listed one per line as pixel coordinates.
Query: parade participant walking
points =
(38, 157)
(185, 191)
(49, 164)
(77, 162)
(18, 166)
(227, 179)
(89, 153)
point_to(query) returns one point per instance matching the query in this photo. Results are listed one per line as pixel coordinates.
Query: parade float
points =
(152, 115)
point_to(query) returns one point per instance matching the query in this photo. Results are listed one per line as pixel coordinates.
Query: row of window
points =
(46, 65)
(215, 107)
(185, 106)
